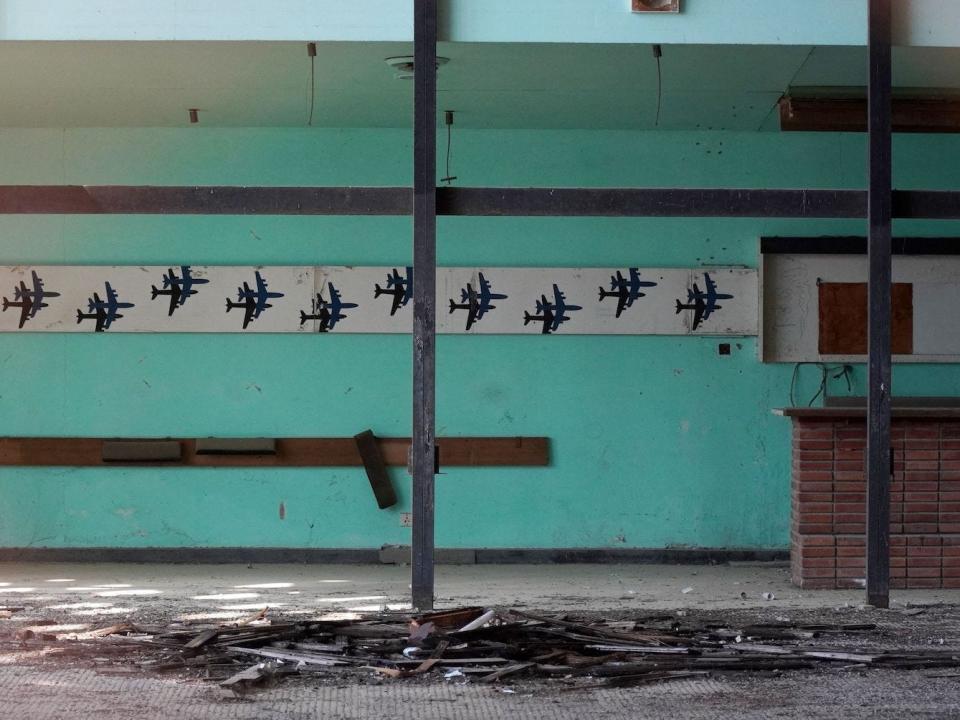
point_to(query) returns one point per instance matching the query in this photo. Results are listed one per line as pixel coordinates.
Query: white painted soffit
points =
(770, 22)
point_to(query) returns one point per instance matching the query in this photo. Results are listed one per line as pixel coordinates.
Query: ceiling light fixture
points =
(656, 6)
(403, 65)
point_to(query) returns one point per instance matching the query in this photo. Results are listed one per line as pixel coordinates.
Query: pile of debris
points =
(490, 646)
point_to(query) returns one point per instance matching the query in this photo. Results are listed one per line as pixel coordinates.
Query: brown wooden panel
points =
(843, 319)
(849, 114)
(290, 452)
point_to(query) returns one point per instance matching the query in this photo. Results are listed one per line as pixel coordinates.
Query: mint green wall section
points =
(656, 440)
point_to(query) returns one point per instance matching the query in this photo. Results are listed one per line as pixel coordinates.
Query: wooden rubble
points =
(485, 646)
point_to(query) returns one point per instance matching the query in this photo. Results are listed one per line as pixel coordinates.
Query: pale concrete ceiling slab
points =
(263, 84)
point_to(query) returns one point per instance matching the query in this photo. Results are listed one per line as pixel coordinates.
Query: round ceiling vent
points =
(656, 5)
(403, 65)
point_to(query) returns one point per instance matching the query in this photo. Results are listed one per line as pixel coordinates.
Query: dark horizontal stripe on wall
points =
(856, 245)
(477, 201)
(372, 556)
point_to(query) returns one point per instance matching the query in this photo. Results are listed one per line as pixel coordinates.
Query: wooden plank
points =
(236, 446)
(376, 469)
(140, 451)
(921, 412)
(843, 318)
(290, 452)
(849, 114)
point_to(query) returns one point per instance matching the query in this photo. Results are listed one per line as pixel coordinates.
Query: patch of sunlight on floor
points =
(265, 586)
(85, 588)
(8, 589)
(104, 611)
(61, 580)
(293, 592)
(251, 606)
(379, 608)
(338, 616)
(15, 658)
(107, 586)
(226, 596)
(118, 593)
(76, 627)
(359, 598)
(333, 581)
(210, 616)
(79, 606)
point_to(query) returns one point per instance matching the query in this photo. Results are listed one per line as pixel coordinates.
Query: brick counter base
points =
(828, 512)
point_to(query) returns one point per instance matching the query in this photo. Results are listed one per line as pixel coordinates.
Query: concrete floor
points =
(88, 596)
(97, 591)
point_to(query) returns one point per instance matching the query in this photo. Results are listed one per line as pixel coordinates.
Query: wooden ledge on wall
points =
(849, 114)
(279, 452)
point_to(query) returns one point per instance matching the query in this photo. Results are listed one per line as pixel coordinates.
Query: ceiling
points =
(518, 85)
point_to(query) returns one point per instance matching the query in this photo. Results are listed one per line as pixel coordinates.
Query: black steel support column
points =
(424, 296)
(879, 213)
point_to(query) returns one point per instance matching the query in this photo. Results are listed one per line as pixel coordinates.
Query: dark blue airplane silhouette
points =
(551, 315)
(625, 290)
(328, 313)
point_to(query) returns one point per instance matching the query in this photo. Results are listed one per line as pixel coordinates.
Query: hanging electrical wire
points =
(312, 53)
(827, 372)
(448, 121)
(657, 54)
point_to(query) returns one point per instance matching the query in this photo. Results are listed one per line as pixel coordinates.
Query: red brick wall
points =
(828, 515)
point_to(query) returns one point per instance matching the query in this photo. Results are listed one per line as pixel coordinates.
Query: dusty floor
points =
(87, 596)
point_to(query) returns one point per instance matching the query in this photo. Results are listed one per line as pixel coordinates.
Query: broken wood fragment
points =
(504, 672)
(202, 639)
(376, 469)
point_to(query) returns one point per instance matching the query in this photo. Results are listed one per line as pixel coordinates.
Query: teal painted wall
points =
(656, 440)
